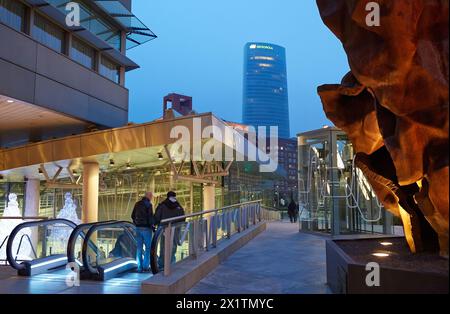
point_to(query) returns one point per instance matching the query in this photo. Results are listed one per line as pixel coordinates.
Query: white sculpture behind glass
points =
(7, 226)
(60, 233)
(69, 211)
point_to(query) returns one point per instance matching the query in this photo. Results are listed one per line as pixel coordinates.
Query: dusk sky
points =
(200, 49)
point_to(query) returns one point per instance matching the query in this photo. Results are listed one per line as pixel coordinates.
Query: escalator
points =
(120, 259)
(101, 250)
(37, 247)
(75, 247)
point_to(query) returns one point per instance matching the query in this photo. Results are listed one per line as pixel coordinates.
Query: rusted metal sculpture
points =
(394, 107)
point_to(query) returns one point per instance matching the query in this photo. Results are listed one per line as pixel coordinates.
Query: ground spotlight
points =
(380, 254)
(111, 162)
(160, 156)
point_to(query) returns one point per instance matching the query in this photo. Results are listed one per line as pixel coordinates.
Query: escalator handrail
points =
(78, 231)
(154, 246)
(154, 250)
(126, 226)
(9, 255)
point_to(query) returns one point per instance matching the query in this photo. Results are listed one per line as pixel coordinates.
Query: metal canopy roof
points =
(129, 142)
(138, 33)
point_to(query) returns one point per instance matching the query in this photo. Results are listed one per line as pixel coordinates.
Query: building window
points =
(109, 70)
(12, 13)
(82, 53)
(48, 33)
(98, 26)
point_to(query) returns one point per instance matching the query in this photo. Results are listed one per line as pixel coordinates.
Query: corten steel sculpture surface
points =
(394, 107)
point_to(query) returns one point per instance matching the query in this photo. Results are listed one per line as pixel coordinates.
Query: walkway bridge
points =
(217, 251)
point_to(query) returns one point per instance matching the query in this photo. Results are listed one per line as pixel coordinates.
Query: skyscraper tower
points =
(265, 99)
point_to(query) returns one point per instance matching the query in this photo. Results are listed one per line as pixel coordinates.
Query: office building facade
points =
(58, 80)
(265, 90)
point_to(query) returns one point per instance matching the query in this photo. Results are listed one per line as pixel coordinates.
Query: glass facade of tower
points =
(265, 99)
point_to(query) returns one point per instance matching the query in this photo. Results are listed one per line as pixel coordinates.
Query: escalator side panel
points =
(42, 265)
(111, 270)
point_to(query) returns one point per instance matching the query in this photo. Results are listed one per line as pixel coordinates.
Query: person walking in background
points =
(293, 211)
(169, 208)
(144, 221)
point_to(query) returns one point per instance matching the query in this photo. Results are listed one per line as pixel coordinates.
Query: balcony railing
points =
(187, 237)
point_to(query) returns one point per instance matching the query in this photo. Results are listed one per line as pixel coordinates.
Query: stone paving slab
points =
(279, 261)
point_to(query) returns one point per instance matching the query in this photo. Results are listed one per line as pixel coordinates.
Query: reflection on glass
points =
(334, 195)
(12, 13)
(82, 53)
(92, 22)
(48, 33)
(109, 69)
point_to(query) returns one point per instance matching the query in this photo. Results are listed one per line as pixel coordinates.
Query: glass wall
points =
(120, 189)
(17, 188)
(334, 195)
(12, 13)
(245, 183)
(265, 100)
(109, 69)
(82, 53)
(48, 33)
(92, 22)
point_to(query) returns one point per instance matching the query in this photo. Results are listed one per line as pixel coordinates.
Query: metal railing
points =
(11, 255)
(187, 237)
(4, 239)
(127, 227)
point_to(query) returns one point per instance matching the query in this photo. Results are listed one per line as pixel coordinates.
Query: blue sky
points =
(199, 52)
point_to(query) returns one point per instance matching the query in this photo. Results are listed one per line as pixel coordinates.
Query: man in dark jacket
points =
(169, 208)
(143, 219)
(293, 211)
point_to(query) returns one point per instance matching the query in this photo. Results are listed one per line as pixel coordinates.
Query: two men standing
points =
(145, 220)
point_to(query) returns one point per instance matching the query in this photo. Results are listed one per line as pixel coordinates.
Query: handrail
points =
(349, 194)
(153, 250)
(93, 229)
(203, 233)
(29, 241)
(273, 208)
(170, 220)
(9, 255)
(71, 243)
(24, 218)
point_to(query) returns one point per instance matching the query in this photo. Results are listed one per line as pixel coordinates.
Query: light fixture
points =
(74, 171)
(10, 101)
(111, 162)
(128, 166)
(160, 156)
(40, 170)
(380, 254)
(386, 243)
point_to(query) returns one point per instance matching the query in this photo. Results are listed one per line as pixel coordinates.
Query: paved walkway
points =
(280, 260)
